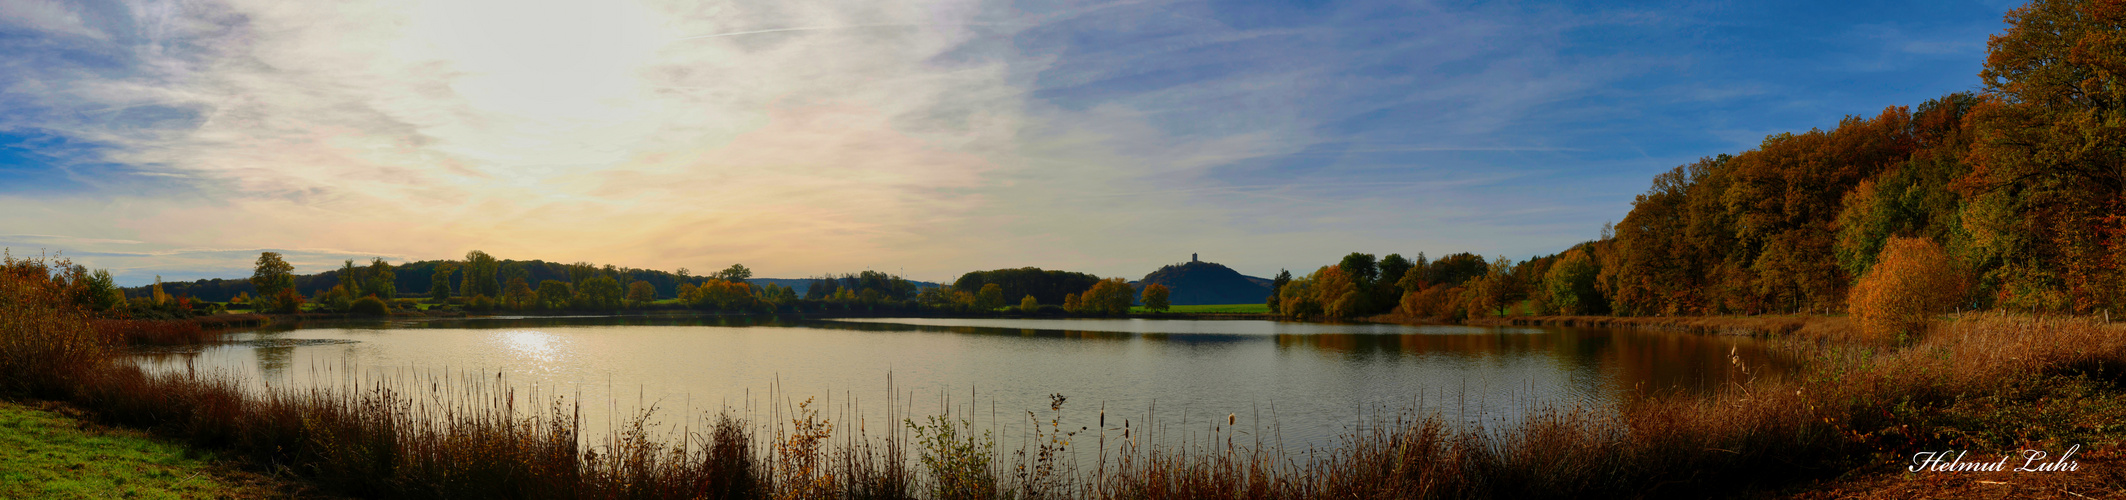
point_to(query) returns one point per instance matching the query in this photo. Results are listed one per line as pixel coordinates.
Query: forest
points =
(2021, 187)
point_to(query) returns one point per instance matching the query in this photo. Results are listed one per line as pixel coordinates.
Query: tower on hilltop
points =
(1192, 258)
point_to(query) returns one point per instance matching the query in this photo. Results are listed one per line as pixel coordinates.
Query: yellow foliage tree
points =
(1335, 294)
(990, 298)
(1911, 280)
(1155, 297)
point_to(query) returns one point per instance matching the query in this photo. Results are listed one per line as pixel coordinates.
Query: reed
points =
(153, 332)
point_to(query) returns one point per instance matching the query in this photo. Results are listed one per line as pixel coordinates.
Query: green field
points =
(1212, 308)
(45, 455)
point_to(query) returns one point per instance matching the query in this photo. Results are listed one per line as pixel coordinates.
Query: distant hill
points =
(413, 279)
(1200, 283)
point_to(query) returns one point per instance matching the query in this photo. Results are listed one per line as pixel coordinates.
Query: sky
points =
(926, 138)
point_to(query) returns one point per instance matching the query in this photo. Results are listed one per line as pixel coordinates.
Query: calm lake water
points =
(1299, 383)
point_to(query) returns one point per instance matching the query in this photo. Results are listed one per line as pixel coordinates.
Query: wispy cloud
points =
(806, 137)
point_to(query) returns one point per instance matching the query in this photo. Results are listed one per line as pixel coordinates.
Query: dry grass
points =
(1829, 328)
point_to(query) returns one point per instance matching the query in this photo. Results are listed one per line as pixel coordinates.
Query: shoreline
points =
(1847, 438)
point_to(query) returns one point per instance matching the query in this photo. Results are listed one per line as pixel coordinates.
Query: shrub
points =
(287, 302)
(370, 306)
(958, 462)
(1912, 279)
(45, 338)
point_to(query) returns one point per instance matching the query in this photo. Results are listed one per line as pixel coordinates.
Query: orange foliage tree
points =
(641, 292)
(1911, 280)
(1109, 296)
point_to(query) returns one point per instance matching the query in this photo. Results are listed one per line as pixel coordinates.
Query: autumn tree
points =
(272, 275)
(513, 270)
(1569, 285)
(2047, 193)
(1155, 297)
(286, 301)
(1498, 290)
(722, 295)
(156, 294)
(1912, 280)
(641, 292)
(1109, 296)
(1028, 304)
(1328, 293)
(1340, 294)
(518, 294)
(990, 298)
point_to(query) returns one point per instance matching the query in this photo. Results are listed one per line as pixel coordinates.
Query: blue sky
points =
(930, 137)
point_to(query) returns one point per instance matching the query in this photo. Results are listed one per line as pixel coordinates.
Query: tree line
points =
(2021, 188)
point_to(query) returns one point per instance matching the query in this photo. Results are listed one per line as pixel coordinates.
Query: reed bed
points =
(1977, 381)
(153, 332)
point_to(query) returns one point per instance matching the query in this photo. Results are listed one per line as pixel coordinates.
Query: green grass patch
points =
(1212, 308)
(46, 455)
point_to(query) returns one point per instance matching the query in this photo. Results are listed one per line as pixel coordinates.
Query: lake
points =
(1299, 384)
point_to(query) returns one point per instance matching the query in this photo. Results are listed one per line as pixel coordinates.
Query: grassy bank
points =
(46, 454)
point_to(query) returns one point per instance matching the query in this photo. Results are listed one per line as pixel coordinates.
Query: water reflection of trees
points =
(1634, 361)
(971, 330)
